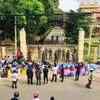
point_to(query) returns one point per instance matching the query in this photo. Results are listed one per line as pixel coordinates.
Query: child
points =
(88, 85)
(52, 98)
(36, 96)
(14, 79)
(16, 96)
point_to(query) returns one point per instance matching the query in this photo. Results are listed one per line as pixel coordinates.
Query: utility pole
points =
(15, 30)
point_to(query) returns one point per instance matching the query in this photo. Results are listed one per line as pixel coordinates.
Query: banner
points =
(23, 44)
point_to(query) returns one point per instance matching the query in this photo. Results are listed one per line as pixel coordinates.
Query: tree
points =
(18, 7)
(74, 22)
(50, 6)
(36, 16)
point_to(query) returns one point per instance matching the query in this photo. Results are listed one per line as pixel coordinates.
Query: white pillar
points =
(81, 45)
(23, 44)
(3, 52)
(95, 54)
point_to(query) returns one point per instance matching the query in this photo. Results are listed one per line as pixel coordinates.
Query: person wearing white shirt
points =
(55, 72)
(14, 79)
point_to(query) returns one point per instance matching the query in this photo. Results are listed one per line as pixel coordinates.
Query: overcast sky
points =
(67, 5)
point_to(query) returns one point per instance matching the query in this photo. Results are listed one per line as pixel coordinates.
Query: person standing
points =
(78, 69)
(38, 74)
(29, 72)
(2, 62)
(54, 75)
(14, 79)
(45, 74)
(90, 79)
(62, 73)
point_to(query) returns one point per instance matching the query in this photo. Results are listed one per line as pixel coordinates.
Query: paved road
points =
(69, 90)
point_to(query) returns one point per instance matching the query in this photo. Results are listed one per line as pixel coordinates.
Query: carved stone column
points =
(81, 46)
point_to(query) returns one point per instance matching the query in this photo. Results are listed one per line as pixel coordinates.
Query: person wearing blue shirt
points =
(15, 66)
(29, 72)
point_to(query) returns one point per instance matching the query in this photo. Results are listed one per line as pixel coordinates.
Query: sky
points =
(67, 5)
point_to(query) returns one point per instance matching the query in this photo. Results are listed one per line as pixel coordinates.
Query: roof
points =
(90, 5)
(56, 31)
(90, 8)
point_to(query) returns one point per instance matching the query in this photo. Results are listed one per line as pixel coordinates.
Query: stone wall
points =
(9, 51)
(52, 53)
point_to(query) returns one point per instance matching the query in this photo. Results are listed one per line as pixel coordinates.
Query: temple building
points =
(53, 47)
(93, 10)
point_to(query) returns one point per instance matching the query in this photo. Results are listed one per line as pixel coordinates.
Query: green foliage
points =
(50, 6)
(9, 8)
(35, 16)
(36, 24)
(33, 7)
(21, 7)
(74, 22)
(16, 7)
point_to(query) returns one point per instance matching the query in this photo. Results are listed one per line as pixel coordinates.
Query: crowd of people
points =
(40, 70)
